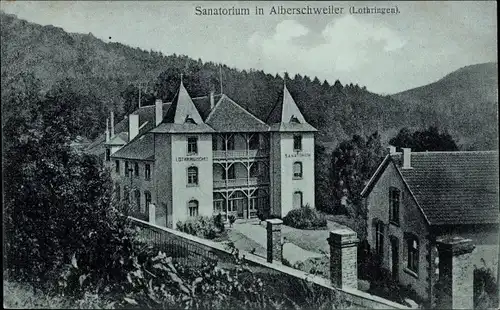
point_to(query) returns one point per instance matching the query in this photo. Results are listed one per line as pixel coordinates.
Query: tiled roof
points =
(146, 114)
(140, 148)
(451, 188)
(455, 187)
(119, 139)
(228, 116)
(203, 105)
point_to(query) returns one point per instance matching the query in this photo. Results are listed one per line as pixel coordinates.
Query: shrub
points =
(485, 289)
(232, 219)
(305, 218)
(219, 222)
(200, 226)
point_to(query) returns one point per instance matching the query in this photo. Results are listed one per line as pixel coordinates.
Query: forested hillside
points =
(466, 101)
(107, 76)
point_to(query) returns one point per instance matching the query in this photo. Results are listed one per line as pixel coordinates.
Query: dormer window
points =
(189, 120)
(294, 119)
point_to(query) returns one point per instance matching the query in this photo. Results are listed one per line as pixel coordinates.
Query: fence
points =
(192, 251)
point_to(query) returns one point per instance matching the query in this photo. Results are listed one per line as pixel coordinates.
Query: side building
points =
(208, 155)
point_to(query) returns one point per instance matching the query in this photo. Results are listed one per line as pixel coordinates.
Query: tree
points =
(57, 202)
(426, 140)
(353, 163)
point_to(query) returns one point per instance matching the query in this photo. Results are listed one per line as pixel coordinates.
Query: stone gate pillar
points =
(343, 258)
(456, 274)
(274, 240)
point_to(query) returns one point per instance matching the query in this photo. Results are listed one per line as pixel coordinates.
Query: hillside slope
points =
(109, 73)
(465, 101)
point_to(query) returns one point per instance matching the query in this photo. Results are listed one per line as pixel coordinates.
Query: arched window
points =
(193, 207)
(297, 143)
(253, 142)
(192, 175)
(137, 196)
(219, 203)
(189, 120)
(394, 199)
(147, 199)
(297, 170)
(254, 170)
(297, 200)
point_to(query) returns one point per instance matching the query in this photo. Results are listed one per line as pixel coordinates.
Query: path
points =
(291, 252)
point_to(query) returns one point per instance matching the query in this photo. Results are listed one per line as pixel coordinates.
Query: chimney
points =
(133, 126)
(107, 129)
(391, 149)
(406, 158)
(212, 101)
(159, 111)
(112, 133)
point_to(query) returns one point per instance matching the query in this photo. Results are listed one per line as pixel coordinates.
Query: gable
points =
(183, 109)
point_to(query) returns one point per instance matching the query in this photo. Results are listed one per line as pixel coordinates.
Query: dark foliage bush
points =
(305, 218)
(485, 289)
(232, 219)
(219, 222)
(201, 226)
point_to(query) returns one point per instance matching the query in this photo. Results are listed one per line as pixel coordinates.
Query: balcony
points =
(242, 182)
(240, 154)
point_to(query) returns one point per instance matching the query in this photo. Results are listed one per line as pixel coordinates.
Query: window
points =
(192, 146)
(231, 175)
(230, 142)
(394, 198)
(147, 171)
(189, 120)
(297, 143)
(108, 154)
(412, 245)
(126, 194)
(254, 170)
(117, 166)
(297, 170)
(137, 196)
(147, 199)
(126, 169)
(193, 208)
(219, 203)
(297, 200)
(192, 176)
(294, 119)
(253, 142)
(214, 143)
(379, 238)
(136, 170)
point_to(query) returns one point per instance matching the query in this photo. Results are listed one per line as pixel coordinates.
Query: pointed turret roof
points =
(183, 108)
(286, 116)
(183, 116)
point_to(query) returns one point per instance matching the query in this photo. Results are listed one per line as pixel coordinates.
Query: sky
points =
(386, 53)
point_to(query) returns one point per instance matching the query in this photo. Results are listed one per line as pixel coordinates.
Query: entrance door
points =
(297, 200)
(394, 258)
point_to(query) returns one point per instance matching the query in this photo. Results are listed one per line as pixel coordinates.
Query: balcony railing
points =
(234, 154)
(241, 182)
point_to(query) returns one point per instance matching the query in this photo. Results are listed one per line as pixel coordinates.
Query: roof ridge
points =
(453, 152)
(215, 107)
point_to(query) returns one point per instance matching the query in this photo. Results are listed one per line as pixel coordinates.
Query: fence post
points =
(152, 213)
(274, 240)
(343, 258)
(456, 274)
